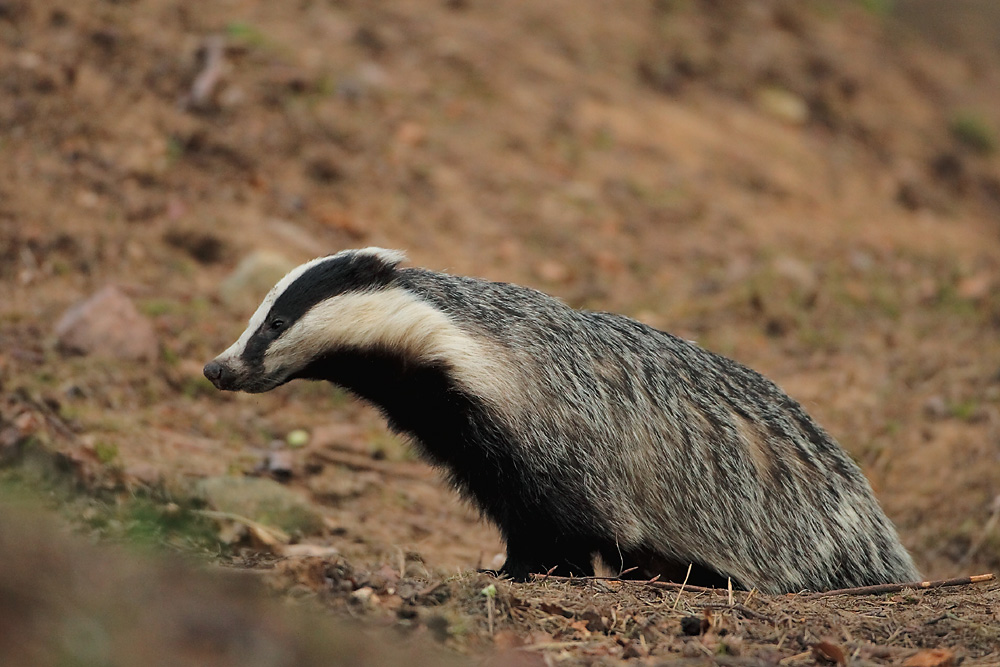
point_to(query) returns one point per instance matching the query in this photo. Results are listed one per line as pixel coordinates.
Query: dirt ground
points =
(811, 188)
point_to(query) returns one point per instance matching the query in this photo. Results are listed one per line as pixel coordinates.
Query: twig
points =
(269, 535)
(424, 592)
(666, 585)
(797, 656)
(51, 417)
(742, 608)
(686, 576)
(490, 612)
(362, 462)
(213, 54)
(895, 588)
(545, 646)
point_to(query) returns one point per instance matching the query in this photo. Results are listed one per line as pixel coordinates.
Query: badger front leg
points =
(562, 557)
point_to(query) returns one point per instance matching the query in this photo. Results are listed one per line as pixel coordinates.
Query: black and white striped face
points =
(332, 301)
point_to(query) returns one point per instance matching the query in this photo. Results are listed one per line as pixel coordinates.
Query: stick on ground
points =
(895, 588)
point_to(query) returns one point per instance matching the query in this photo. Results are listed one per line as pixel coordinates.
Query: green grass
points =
(147, 519)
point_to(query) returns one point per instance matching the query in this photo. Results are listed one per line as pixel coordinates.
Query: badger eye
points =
(277, 325)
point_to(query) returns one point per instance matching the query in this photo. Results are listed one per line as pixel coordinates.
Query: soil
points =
(811, 188)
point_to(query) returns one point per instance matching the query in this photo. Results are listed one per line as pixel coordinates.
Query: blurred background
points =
(811, 188)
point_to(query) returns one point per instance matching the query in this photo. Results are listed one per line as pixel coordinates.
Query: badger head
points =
(338, 300)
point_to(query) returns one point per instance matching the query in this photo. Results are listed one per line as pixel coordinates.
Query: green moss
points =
(157, 307)
(246, 33)
(964, 410)
(146, 518)
(877, 7)
(106, 452)
(974, 132)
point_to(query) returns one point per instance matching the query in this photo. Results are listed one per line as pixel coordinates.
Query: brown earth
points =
(810, 188)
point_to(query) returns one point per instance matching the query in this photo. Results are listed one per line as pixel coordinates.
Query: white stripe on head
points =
(232, 354)
(396, 320)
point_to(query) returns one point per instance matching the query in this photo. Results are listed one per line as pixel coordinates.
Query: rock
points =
(262, 500)
(107, 324)
(280, 464)
(935, 407)
(976, 287)
(255, 275)
(796, 272)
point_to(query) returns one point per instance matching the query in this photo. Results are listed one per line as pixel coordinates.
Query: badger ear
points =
(389, 258)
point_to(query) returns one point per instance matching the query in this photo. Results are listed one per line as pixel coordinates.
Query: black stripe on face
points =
(339, 274)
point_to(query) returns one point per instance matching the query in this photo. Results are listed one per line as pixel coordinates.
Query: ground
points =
(810, 188)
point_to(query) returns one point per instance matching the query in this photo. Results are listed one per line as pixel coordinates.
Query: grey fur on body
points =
(636, 445)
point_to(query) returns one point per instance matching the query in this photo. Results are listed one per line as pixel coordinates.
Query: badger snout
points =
(221, 376)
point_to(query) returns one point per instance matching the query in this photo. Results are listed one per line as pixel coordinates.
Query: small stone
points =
(365, 596)
(936, 407)
(411, 133)
(107, 324)
(797, 272)
(976, 287)
(297, 438)
(255, 275)
(279, 463)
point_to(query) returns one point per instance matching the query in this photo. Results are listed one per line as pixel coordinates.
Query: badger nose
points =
(217, 374)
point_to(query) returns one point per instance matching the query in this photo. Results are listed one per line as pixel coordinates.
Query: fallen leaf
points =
(581, 627)
(829, 652)
(931, 657)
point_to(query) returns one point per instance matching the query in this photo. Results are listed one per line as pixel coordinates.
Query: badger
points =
(579, 434)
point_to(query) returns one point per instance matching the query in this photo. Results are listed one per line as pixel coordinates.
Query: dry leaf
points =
(931, 657)
(829, 652)
(581, 627)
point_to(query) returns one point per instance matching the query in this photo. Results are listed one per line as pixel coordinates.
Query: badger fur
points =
(579, 434)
